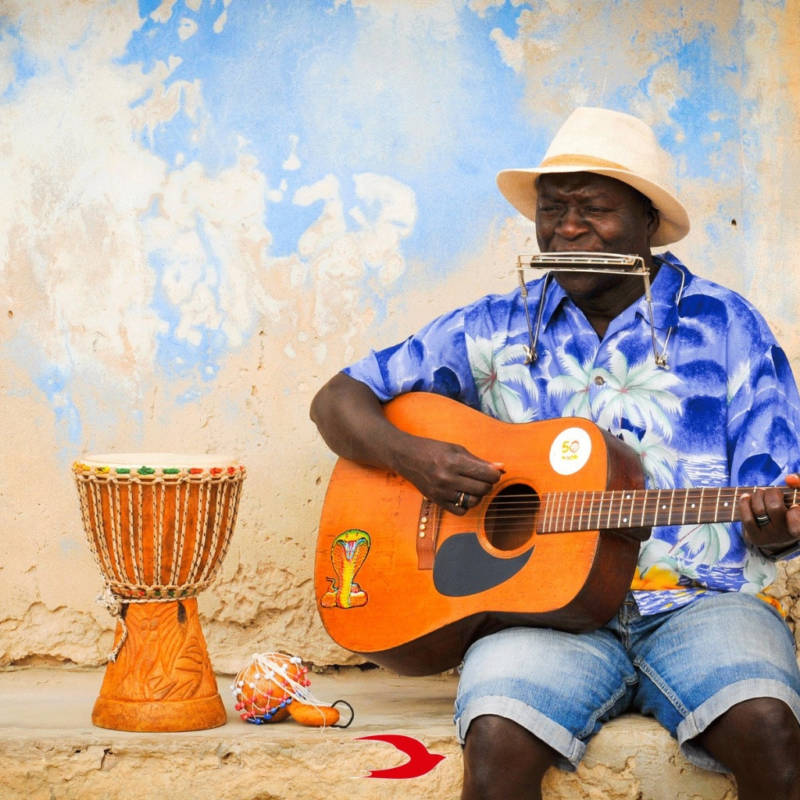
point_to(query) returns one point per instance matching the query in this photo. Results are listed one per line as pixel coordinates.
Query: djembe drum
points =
(159, 526)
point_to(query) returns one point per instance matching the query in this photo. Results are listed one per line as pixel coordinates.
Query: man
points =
(696, 644)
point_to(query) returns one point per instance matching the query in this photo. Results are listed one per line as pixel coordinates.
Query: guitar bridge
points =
(427, 531)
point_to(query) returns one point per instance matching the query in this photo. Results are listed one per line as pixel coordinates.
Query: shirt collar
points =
(554, 298)
(666, 291)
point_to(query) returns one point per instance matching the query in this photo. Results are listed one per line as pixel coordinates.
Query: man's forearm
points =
(351, 420)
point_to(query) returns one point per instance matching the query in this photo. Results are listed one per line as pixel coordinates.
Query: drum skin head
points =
(163, 460)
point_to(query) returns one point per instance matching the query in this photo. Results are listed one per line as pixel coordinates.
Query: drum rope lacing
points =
(119, 589)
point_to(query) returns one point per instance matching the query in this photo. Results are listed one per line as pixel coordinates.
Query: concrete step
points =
(49, 749)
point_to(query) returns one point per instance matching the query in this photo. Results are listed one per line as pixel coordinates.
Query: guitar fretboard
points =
(639, 508)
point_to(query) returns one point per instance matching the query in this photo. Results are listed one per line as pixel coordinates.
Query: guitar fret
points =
(691, 495)
(583, 506)
(554, 514)
(656, 520)
(685, 501)
(653, 506)
(559, 521)
(623, 521)
(572, 512)
(666, 510)
(700, 505)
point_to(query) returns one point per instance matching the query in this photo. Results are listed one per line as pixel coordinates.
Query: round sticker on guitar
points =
(570, 451)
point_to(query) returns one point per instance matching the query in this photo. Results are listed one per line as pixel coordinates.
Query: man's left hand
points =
(766, 522)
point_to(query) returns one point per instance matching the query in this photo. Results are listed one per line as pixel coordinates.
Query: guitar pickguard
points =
(462, 567)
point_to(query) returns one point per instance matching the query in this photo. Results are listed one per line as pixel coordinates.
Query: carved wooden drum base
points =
(162, 679)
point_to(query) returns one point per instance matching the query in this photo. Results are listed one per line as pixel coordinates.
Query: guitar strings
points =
(555, 508)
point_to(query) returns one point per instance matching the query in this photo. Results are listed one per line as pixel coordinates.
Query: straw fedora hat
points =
(606, 143)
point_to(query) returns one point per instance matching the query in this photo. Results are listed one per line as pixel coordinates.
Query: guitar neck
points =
(640, 508)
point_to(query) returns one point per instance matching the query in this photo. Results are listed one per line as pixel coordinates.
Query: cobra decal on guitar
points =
(349, 550)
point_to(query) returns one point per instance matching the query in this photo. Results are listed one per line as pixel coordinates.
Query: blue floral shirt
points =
(725, 413)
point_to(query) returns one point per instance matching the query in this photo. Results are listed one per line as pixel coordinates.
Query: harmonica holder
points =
(606, 263)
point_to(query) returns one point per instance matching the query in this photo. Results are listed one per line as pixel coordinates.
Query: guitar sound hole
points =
(511, 516)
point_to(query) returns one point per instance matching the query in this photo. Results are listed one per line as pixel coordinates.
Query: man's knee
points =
(757, 738)
(764, 723)
(500, 755)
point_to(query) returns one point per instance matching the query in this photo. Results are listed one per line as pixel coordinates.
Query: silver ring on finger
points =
(461, 500)
(762, 520)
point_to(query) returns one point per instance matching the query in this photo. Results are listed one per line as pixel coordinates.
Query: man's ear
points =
(653, 221)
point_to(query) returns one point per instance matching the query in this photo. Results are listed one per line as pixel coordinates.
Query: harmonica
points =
(614, 263)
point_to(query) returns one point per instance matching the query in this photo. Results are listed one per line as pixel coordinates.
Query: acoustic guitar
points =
(555, 543)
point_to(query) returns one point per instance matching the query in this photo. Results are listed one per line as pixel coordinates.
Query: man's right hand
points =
(446, 473)
(351, 420)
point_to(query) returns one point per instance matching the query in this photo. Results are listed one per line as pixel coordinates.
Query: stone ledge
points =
(49, 749)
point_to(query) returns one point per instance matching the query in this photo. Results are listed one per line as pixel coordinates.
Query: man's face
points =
(581, 211)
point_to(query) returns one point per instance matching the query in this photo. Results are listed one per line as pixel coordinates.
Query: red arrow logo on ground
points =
(420, 759)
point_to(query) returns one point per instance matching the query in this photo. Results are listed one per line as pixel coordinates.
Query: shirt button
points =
(599, 380)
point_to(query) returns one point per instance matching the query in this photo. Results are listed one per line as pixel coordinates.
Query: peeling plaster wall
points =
(210, 207)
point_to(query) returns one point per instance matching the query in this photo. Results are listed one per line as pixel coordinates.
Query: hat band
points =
(574, 160)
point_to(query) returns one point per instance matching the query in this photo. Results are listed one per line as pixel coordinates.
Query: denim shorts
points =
(684, 667)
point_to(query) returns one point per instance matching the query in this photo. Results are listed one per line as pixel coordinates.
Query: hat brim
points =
(519, 188)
